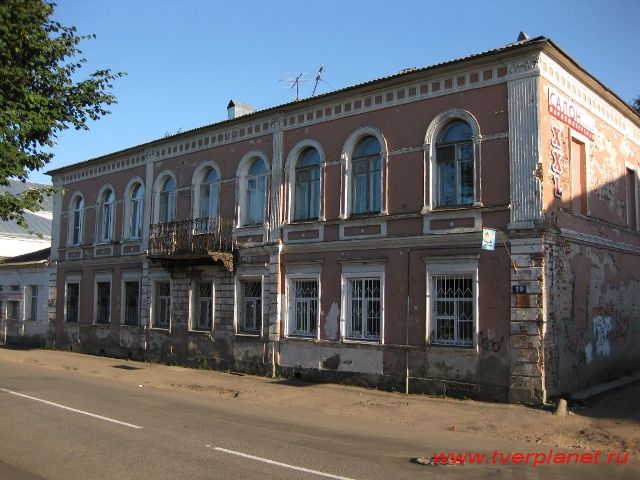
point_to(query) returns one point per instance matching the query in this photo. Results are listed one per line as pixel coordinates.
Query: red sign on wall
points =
(570, 114)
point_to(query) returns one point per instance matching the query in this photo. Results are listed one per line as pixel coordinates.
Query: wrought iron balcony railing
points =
(197, 237)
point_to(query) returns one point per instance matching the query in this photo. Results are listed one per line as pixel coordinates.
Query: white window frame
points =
(67, 281)
(290, 169)
(347, 161)
(102, 278)
(243, 178)
(33, 302)
(71, 223)
(294, 274)
(465, 266)
(354, 271)
(103, 236)
(197, 183)
(194, 305)
(171, 197)
(239, 308)
(130, 220)
(154, 281)
(431, 185)
(130, 277)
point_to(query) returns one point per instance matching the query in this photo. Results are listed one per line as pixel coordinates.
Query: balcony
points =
(193, 239)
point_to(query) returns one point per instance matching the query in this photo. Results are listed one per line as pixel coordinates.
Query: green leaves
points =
(39, 97)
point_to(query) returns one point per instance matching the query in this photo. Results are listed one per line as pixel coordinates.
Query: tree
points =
(635, 104)
(40, 97)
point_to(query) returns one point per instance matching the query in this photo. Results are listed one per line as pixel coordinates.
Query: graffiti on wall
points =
(489, 344)
(607, 328)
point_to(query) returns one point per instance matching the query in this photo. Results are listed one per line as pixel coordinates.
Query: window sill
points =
(251, 335)
(361, 341)
(201, 331)
(301, 338)
(160, 329)
(130, 325)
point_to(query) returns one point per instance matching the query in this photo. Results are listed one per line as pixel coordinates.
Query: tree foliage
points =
(635, 104)
(40, 95)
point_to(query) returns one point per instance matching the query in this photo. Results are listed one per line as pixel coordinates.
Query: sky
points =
(185, 59)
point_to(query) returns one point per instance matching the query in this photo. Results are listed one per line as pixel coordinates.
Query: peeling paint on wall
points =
(332, 321)
(601, 329)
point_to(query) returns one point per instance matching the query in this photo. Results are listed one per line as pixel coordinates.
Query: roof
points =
(39, 256)
(522, 42)
(39, 222)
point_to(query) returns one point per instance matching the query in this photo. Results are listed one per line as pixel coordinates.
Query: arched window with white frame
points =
(208, 194)
(106, 210)
(76, 220)
(366, 177)
(135, 210)
(452, 146)
(167, 200)
(253, 178)
(307, 185)
(364, 157)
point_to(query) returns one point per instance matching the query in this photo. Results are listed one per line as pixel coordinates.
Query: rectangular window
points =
(632, 199)
(578, 178)
(72, 302)
(250, 311)
(364, 314)
(131, 302)
(452, 310)
(33, 304)
(303, 317)
(103, 302)
(13, 307)
(203, 306)
(162, 305)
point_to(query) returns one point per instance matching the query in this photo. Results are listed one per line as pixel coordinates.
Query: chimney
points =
(237, 109)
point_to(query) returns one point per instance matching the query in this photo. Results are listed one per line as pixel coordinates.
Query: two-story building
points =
(338, 237)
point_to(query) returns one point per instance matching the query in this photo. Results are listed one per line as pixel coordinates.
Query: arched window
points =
(256, 191)
(77, 220)
(105, 215)
(366, 180)
(209, 194)
(136, 204)
(307, 189)
(455, 164)
(167, 207)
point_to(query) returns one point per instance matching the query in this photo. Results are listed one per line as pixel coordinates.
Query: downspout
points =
(406, 326)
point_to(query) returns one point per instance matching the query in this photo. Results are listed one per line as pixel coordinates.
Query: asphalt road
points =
(62, 425)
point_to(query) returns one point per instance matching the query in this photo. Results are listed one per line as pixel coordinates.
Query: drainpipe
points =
(406, 326)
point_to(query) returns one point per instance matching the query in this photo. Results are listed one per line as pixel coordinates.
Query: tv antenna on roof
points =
(295, 82)
(317, 79)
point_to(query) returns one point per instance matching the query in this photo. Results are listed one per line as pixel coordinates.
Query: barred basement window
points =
(203, 308)
(162, 304)
(363, 320)
(304, 317)
(73, 302)
(251, 308)
(453, 315)
(103, 302)
(131, 303)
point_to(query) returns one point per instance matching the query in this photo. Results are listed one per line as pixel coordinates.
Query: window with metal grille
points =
(452, 310)
(203, 307)
(131, 303)
(33, 304)
(73, 302)
(251, 308)
(103, 302)
(364, 304)
(162, 304)
(303, 321)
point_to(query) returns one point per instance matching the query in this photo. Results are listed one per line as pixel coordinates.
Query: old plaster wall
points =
(593, 314)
